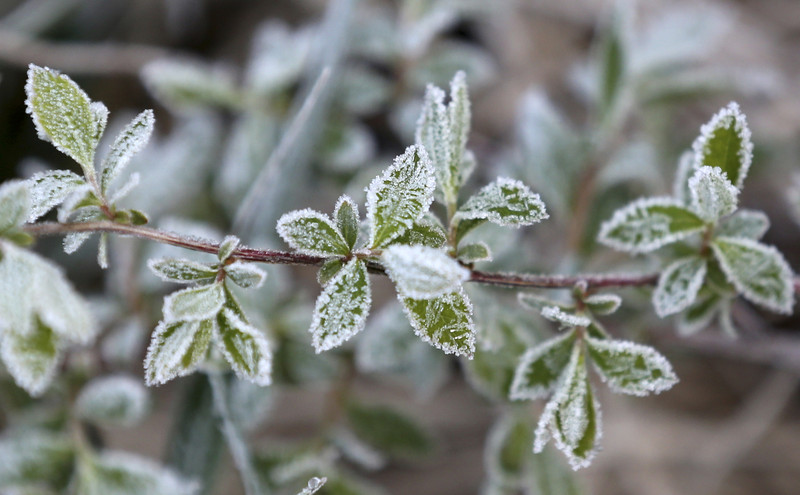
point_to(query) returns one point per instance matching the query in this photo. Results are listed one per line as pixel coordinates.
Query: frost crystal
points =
(421, 272)
(750, 224)
(311, 232)
(180, 270)
(713, 196)
(631, 368)
(314, 485)
(226, 248)
(678, 285)
(113, 400)
(246, 275)
(433, 133)
(505, 202)
(50, 189)
(130, 141)
(346, 214)
(603, 304)
(540, 368)
(342, 307)
(725, 142)
(556, 314)
(444, 322)
(245, 348)
(176, 349)
(194, 303)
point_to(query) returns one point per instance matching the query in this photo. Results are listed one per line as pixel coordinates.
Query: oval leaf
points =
(630, 368)
(678, 285)
(421, 272)
(176, 349)
(312, 232)
(181, 270)
(724, 142)
(713, 196)
(505, 202)
(444, 322)
(113, 400)
(342, 308)
(130, 141)
(194, 303)
(245, 348)
(540, 368)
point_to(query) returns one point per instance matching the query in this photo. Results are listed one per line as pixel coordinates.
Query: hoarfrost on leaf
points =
(474, 252)
(130, 141)
(313, 233)
(433, 133)
(113, 400)
(506, 202)
(558, 315)
(226, 248)
(347, 221)
(51, 188)
(631, 368)
(15, 204)
(421, 272)
(678, 285)
(32, 356)
(725, 142)
(426, 232)
(246, 275)
(342, 307)
(713, 196)
(750, 224)
(460, 115)
(122, 473)
(541, 367)
(699, 315)
(245, 348)
(34, 457)
(603, 304)
(444, 322)
(194, 303)
(176, 349)
(181, 270)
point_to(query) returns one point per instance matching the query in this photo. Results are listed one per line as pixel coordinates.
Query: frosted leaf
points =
(725, 142)
(74, 204)
(181, 270)
(126, 188)
(314, 485)
(460, 115)
(122, 473)
(631, 368)
(400, 196)
(421, 272)
(750, 224)
(113, 401)
(474, 252)
(74, 240)
(357, 451)
(226, 248)
(678, 285)
(185, 85)
(347, 221)
(699, 315)
(279, 56)
(34, 457)
(130, 141)
(433, 134)
(342, 307)
(311, 232)
(194, 303)
(100, 117)
(389, 430)
(537, 303)
(62, 114)
(558, 315)
(759, 272)
(245, 348)
(505, 202)
(540, 368)
(246, 275)
(328, 270)
(176, 349)
(424, 232)
(603, 304)
(713, 196)
(444, 322)
(32, 356)
(50, 189)
(507, 455)
(15, 203)
(680, 188)
(648, 224)
(102, 251)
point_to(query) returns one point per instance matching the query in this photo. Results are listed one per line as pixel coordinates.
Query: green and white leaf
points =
(328, 270)
(130, 141)
(181, 270)
(32, 356)
(342, 307)
(725, 142)
(444, 322)
(759, 272)
(421, 272)
(648, 224)
(699, 315)
(433, 133)
(176, 349)
(389, 430)
(566, 319)
(15, 204)
(537, 303)
(122, 473)
(347, 221)
(226, 248)
(245, 275)
(678, 285)
(680, 188)
(424, 232)
(113, 401)
(35, 458)
(603, 304)
(245, 348)
(400, 196)
(474, 252)
(540, 368)
(750, 224)
(50, 189)
(460, 116)
(631, 368)
(312, 232)
(507, 454)
(194, 303)
(713, 196)
(506, 202)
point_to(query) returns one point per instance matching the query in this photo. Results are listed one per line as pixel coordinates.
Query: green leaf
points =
(400, 196)
(713, 196)
(540, 368)
(759, 272)
(227, 247)
(424, 232)
(749, 224)
(460, 115)
(508, 454)
(474, 252)
(181, 270)
(62, 114)
(185, 86)
(724, 142)
(122, 473)
(113, 401)
(603, 304)
(433, 134)
(444, 322)
(32, 356)
(389, 431)
(550, 476)
(346, 215)
(342, 307)
(51, 188)
(567, 319)
(312, 232)
(35, 458)
(245, 348)
(329, 270)
(699, 315)
(630, 368)
(421, 272)
(246, 275)
(176, 349)
(15, 204)
(506, 202)
(194, 303)
(138, 217)
(130, 141)
(612, 70)
(678, 285)
(648, 224)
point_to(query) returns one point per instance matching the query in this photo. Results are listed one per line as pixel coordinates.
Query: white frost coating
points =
(433, 133)
(102, 251)
(341, 309)
(126, 188)
(246, 275)
(689, 326)
(194, 303)
(421, 272)
(455, 335)
(180, 270)
(15, 204)
(723, 119)
(50, 189)
(314, 485)
(226, 248)
(32, 367)
(544, 354)
(637, 228)
(113, 400)
(170, 343)
(680, 188)
(459, 112)
(122, 473)
(32, 448)
(630, 368)
(713, 196)
(311, 232)
(506, 202)
(678, 285)
(759, 272)
(130, 141)
(556, 314)
(751, 224)
(603, 304)
(253, 358)
(400, 196)
(69, 205)
(74, 240)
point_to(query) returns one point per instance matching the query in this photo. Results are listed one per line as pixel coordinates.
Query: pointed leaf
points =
(678, 285)
(346, 215)
(329, 270)
(389, 431)
(245, 348)
(724, 142)
(603, 304)
(713, 196)
(246, 275)
(460, 115)
(113, 401)
(566, 319)
(505, 202)
(474, 252)
(540, 368)
(32, 356)
(181, 270)
(648, 224)
(421, 272)
(400, 196)
(227, 247)
(194, 303)
(15, 203)
(342, 308)
(759, 272)
(51, 188)
(508, 454)
(433, 133)
(176, 349)
(630, 368)
(750, 224)
(699, 315)
(424, 232)
(444, 322)
(312, 232)
(130, 141)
